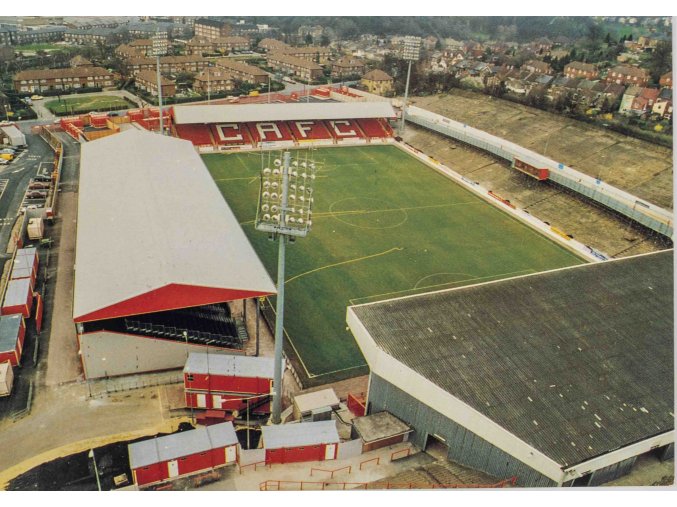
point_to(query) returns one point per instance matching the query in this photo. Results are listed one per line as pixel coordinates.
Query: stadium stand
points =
(231, 134)
(309, 130)
(344, 129)
(199, 135)
(372, 128)
(270, 131)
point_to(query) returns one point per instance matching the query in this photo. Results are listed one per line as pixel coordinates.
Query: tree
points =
(308, 39)
(660, 60)
(324, 40)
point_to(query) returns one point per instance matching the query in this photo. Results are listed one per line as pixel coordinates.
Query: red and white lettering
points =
(348, 133)
(263, 128)
(304, 126)
(221, 129)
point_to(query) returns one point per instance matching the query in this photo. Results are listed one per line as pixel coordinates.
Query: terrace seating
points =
(199, 135)
(270, 131)
(309, 130)
(372, 128)
(344, 129)
(231, 134)
(386, 127)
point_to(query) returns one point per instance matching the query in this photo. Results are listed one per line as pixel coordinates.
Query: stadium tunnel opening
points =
(248, 437)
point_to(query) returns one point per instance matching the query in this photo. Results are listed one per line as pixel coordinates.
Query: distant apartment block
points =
(32, 81)
(211, 28)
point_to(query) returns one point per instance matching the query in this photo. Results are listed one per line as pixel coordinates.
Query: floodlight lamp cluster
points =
(286, 211)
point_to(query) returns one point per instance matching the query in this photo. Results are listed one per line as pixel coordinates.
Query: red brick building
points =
(147, 80)
(627, 75)
(34, 81)
(581, 69)
(211, 28)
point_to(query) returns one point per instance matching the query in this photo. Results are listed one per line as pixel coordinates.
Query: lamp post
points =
(284, 211)
(96, 470)
(159, 49)
(412, 48)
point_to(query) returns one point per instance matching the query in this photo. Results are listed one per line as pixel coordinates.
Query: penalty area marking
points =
(350, 261)
(470, 277)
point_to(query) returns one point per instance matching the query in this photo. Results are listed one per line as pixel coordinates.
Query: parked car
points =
(36, 194)
(37, 97)
(44, 179)
(8, 151)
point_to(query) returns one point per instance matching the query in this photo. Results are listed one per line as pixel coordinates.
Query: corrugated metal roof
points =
(295, 435)
(9, 331)
(17, 292)
(24, 262)
(150, 215)
(230, 365)
(575, 362)
(282, 112)
(185, 443)
(318, 399)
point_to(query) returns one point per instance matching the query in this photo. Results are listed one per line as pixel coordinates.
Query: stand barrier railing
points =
(376, 459)
(275, 485)
(331, 472)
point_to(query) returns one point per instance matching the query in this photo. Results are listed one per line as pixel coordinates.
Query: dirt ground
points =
(639, 167)
(648, 171)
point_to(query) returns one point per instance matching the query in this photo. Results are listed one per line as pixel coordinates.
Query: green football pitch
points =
(384, 225)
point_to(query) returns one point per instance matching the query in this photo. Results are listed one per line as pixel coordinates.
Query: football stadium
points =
(385, 224)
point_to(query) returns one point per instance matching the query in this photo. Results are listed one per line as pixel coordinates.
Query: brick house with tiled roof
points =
(213, 80)
(33, 81)
(147, 80)
(347, 66)
(242, 71)
(300, 67)
(581, 69)
(665, 80)
(626, 74)
(537, 66)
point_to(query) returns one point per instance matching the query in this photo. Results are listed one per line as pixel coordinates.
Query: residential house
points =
(201, 45)
(581, 69)
(80, 61)
(541, 46)
(147, 80)
(347, 66)
(168, 64)
(609, 92)
(644, 101)
(537, 66)
(242, 71)
(142, 46)
(92, 36)
(269, 45)
(13, 37)
(562, 86)
(317, 54)
(627, 75)
(515, 81)
(378, 82)
(211, 28)
(35, 81)
(665, 80)
(213, 80)
(306, 70)
(663, 105)
(126, 51)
